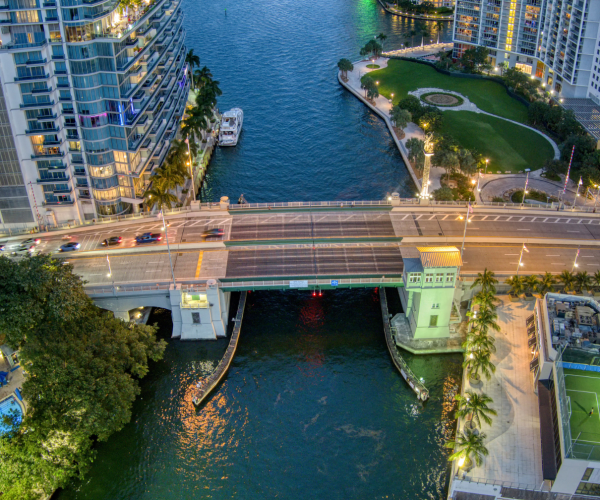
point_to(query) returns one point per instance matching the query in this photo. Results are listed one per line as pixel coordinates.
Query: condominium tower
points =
(556, 41)
(94, 93)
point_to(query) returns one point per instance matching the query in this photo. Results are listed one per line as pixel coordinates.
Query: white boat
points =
(231, 127)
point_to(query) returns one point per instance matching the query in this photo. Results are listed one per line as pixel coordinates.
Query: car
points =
(213, 233)
(148, 238)
(2, 247)
(24, 250)
(69, 247)
(113, 240)
(31, 241)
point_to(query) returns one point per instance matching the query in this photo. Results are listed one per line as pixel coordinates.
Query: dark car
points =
(2, 247)
(213, 233)
(31, 241)
(24, 250)
(148, 238)
(113, 240)
(69, 247)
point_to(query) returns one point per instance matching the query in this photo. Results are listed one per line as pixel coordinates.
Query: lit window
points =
(429, 278)
(449, 278)
(439, 277)
(414, 277)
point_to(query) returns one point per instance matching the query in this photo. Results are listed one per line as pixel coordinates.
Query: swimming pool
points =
(9, 407)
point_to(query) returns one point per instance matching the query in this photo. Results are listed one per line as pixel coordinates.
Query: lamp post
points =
(110, 275)
(596, 197)
(469, 210)
(168, 246)
(525, 188)
(187, 141)
(486, 164)
(577, 193)
(575, 261)
(523, 249)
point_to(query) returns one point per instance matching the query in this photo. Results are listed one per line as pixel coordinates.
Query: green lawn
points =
(507, 145)
(400, 77)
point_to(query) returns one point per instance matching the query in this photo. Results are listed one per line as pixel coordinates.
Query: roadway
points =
(326, 243)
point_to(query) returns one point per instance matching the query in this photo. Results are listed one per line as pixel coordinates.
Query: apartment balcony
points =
(41, 131)
(79, 172)
(57, 203)
(35, 62)
(23, 46)
(58, 57)
(47, 90)
(60, 71)
(31, 78)
(37, 105)
(53, 180)
(57, 154)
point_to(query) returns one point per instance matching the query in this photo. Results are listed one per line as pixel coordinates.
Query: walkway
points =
(497, 184)
(205, 387)
(408, 375)
(421, 50)
(393, 10)
(513, 440)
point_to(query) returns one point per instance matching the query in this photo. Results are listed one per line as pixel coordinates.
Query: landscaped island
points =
(508, 146)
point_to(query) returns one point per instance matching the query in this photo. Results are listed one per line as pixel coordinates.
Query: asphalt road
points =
(149, 263)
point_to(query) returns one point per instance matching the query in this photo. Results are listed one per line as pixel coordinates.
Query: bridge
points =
(309, 246)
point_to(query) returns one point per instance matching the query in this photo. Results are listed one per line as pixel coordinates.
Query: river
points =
(312, 407)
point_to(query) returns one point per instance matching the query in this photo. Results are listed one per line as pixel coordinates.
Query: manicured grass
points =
(507, 145)
(373, 66)
(400, 77)
(583, 388)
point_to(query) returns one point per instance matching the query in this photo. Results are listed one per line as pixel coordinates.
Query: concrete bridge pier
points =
(197, 315)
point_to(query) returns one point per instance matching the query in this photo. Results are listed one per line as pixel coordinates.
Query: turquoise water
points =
(11, 409)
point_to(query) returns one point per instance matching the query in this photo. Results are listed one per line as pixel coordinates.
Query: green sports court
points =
(583, 390)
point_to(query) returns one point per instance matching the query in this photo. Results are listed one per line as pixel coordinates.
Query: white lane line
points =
(523, 229)
(553, 255)
(586, 257)
(511, 254)
(572, 231)
(557, 263)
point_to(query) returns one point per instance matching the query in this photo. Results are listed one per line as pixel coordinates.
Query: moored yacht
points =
(231, 127)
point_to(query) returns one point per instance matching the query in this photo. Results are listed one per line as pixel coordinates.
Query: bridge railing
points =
(311, 283)
(110, 290)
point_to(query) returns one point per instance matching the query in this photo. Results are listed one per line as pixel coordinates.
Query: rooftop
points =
(440, 256)
(587, 113)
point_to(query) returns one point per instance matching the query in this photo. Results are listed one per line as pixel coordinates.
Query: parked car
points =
(113, 240)
(213, 233)
(148, 238)
(69, 247)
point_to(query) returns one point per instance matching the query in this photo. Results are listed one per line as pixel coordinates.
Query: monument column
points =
(428, 150)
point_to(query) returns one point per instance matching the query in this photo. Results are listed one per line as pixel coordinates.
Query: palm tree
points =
(486, 280)
(178, 152)
(583, 280)
(467, 447)
(546, 283)
(345, 65)
(412, 35)
(192, 61)
(517, 285)
(159, 195)
(486, 300)
(567, 278)
(477, 363)
(474, 407)
(596, 278)
(531, 283)
(382, 37)
(476, 341)
(485, 319)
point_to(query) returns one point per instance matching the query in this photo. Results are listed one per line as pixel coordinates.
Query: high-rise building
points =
(95, 92)
(556, 41)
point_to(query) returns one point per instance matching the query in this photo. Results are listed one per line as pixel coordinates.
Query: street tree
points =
(468, 447)
(474, 407)
(486, 280)
(345, 65)
(400, 117)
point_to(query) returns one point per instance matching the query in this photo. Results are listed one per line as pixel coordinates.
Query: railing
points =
(206, 387)
(110, 290)
(415, 384)
(310, 283)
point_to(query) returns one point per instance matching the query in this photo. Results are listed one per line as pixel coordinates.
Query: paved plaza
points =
(513, 440)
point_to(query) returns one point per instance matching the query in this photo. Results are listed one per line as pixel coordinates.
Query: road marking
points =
(527, 230)
(511, 254)
(553, 255)
(199, 263)
(572, 231)
(557, 264)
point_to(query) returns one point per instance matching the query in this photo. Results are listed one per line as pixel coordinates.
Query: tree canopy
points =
(83, 368)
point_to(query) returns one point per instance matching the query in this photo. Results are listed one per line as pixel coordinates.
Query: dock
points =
(412, 380)
(205, 387)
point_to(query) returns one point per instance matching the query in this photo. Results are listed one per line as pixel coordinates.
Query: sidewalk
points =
(513, 440)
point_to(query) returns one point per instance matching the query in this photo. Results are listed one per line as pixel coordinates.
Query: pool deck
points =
(15, 381)
(513, 440)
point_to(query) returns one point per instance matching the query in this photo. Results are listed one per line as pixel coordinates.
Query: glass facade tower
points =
(95, 93)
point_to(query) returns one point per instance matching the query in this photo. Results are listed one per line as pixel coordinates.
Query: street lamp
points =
(575, 262)
(190, 165)
(487, 160)
(577, 193)
(168, 247)
(523, 249)
(525, 188)
(469, 211)
(110, 275)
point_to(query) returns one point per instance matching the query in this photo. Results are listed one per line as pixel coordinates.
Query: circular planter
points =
(373, 66)
(442, 99)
